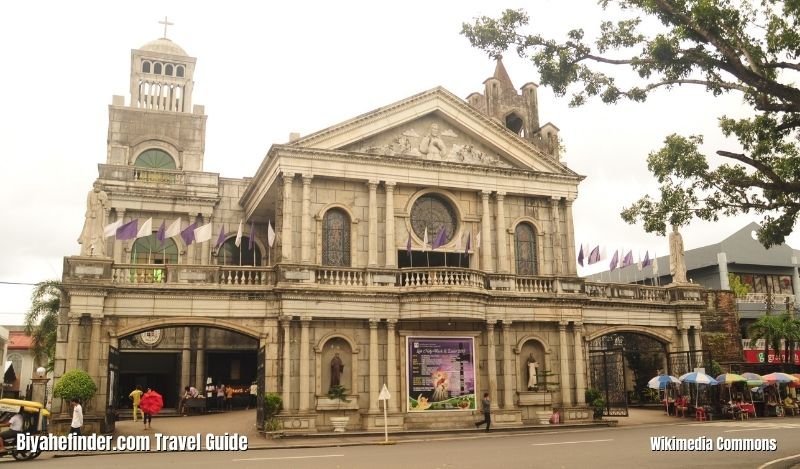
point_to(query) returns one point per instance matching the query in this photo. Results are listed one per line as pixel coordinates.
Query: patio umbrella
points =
(778, 377)
(661, 382)
(730, 378)
(796, 384)
(697, 377)
(753, 380)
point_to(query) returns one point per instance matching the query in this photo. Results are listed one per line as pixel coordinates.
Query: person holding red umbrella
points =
(151, 404)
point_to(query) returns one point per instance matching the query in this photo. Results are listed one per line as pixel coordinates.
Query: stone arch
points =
(323, 356)
(663, 337)
(536, 345)
(449, 197)
(184, 321)
(320, 217)
(165, 144)
(514, 122)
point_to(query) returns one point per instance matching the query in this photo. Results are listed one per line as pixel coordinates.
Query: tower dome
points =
(164, 46)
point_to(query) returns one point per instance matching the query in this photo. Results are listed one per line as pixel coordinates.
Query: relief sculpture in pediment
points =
(435, 145)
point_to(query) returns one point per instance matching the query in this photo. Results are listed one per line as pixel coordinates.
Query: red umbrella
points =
(151, 402)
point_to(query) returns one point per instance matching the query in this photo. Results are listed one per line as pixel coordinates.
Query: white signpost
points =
(385, 396)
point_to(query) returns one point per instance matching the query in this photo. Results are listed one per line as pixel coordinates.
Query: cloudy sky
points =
(266, 69)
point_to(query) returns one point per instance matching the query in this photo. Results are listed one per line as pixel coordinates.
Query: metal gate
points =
(607, 372)
(686, 362)
(260, 369)
(112, 390)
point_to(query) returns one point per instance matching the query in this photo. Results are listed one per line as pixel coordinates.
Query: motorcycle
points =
(34, 417)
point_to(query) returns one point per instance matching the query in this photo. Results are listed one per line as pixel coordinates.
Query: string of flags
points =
(619, 259)
(190, 234)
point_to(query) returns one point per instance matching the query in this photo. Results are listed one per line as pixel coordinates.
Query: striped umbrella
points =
(697, 377)
(662, 381)
(753, 379)
(796, 384)
(730, 378)
(778, 377)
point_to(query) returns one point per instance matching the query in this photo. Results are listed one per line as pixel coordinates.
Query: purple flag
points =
(439, 240)
(628, 259)
(580, 256)
(614, 261)
(160, 234)
(251, 240)
(221, 237)
(594, 256)
(646, 260)
(188, 234)
(469, 243)
(408, 245)
(128, 230)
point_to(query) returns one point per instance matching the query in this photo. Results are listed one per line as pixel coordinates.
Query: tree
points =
(723, 46)
(41, 321)
(75, 384)
(739, 288)
(769, 328)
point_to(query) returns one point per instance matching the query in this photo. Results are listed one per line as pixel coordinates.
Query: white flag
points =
(655, 264)
(458, 244)
(202, 234)
(425, 240)
(238, 241)
(270, 234)
(146, 229)
(478, 241)
(174, 229)
(111, 229)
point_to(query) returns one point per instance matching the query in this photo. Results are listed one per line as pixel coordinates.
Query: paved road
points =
(587, 448)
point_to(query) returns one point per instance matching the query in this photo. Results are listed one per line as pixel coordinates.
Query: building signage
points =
(756, 354)
(441, 374)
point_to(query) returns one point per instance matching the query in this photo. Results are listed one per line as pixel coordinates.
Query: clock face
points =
(151, 337)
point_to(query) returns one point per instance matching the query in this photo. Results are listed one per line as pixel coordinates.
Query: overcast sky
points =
(265, 69)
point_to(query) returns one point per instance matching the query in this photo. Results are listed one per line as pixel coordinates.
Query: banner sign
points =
(755, 354)
(441, 374)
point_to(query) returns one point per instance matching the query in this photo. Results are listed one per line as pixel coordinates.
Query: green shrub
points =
(595, 400)
(75, 384)
(273, 403)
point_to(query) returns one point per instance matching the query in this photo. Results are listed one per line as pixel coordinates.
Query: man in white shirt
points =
(77, 417)
(253, 394)
(14, 426)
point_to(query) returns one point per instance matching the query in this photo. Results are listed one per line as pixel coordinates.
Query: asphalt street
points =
(619, 447)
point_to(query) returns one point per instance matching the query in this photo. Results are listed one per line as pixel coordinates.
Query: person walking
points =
(77, 417)
(151, 404)
(221, 397)
(486, 407)
(229, 398)
(253, 395)
(136, 397)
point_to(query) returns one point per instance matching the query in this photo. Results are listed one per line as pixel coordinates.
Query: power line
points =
(17, 283)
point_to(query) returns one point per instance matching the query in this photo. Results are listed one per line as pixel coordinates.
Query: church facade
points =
(426, 246)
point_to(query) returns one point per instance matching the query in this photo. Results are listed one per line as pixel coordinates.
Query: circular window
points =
(433, 212)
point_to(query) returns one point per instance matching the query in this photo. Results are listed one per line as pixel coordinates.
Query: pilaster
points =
(374, 377)
(500, 229)
(390, 249)
(564, 362)
(508, 389)
(491, 363)
(580, 365)
(306, 221)
(305, 388)
(372, 255)
(286, 226)
(486, 234)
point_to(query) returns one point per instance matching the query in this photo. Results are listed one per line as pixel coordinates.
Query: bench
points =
(196, 405)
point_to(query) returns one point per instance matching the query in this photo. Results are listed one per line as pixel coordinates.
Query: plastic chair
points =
(700, 414)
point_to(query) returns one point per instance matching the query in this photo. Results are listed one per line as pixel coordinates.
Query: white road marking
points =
(769, 463)
(292, 457)
(569, 442)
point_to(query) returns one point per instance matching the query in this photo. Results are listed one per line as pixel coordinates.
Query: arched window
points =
(156, 159)
(525, 243)
(16, 362)
(514, 123)
(168, 70)
(336, 238)
(230, 254)
(146, 67)
(157, 68)
(179, 71)
(149, 250)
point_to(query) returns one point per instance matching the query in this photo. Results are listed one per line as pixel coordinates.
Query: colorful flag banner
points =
(111, 229)
(128, 230)
(160, 234)
(594, 256)
(439, 240)
(146, 229)
(580, 256)
(614, 261)
(628, 259)
(188, 234)
(221, 237)
(203, 233)
(173, 230)
(478, 241)
(647, 261)
(238, 241)
(270, 234)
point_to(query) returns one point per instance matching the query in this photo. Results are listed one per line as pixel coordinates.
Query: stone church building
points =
(427, 246)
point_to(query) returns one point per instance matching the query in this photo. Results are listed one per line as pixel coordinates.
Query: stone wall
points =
(720, 334)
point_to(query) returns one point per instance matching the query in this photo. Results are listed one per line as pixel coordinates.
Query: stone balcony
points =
(92, 270)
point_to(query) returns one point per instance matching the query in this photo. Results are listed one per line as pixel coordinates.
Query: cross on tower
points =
(166, 23)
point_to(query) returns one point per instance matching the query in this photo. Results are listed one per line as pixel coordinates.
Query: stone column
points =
(795, 281)
(94, 350)
(372, 255)
(502, 234)
(390, 248)
(556, 236)
(722, 263)
(305, 221)
(200, 362)
(74, 337)
(391, 365)
(286, 387)
(580, 365)
(374, 377)
(698, 339)
(563, 359)
(486, 235)
(118, 254)
(508, 394)
(186, 357)
(305, 387)
(684, 333)
(491, 363)
(572, 263)
(286, 226)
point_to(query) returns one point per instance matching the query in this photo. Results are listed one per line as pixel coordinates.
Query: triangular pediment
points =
(434, 125)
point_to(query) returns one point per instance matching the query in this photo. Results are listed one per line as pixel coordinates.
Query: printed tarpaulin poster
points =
(441, 373)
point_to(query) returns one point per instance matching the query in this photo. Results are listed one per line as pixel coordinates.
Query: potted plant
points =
(596, 402)
(338, 393)
(273, 403)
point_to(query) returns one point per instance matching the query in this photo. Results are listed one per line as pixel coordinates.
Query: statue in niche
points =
(337, 368)
(677, 261)
(532, 370)
(92, 240)
(432, 144)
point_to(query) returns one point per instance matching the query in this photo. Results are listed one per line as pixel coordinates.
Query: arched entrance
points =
(620, 365)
